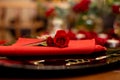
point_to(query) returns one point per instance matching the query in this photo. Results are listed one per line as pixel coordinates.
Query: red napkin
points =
(75, 47)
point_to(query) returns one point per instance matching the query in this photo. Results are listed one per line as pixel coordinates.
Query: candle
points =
(103, 36)
(113, 43)
(80, 36)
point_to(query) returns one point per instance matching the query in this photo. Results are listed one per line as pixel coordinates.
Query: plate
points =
(57, 67)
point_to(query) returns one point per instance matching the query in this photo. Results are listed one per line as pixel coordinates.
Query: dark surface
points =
(26, 73)
(18, 67)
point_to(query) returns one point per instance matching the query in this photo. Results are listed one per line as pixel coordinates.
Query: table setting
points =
(55, 55)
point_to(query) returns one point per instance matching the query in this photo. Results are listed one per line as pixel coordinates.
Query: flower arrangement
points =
(83, 19)
(61, 40)
(49, 12)
(82, 6)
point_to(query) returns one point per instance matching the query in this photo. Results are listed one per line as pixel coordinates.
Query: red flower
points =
(112, 35)
(71, 35)
(2, 42)
(116, 9)
(61, 39)
(100, 41)
(50, 41)
(50, 12)
(88, 34)
(93, 34)
(82, 6)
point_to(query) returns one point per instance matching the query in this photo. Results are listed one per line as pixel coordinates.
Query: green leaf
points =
(42, 43)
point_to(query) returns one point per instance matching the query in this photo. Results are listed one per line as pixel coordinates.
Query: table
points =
(104, 72)
(109, 75)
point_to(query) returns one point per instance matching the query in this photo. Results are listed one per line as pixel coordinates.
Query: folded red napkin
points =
(75, 47)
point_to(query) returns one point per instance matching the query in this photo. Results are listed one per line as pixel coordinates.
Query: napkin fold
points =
(20, 48)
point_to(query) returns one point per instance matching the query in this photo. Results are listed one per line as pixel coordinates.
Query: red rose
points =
(61, 39)
(71, 35)
(82, 6)
(116, 9)
(88, 35)
(2, 42)
(50, 12)
(93, 34)
(100, 41)
(50, 41)
(111, 35)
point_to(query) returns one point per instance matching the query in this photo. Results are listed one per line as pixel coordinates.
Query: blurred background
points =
(31, 18)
